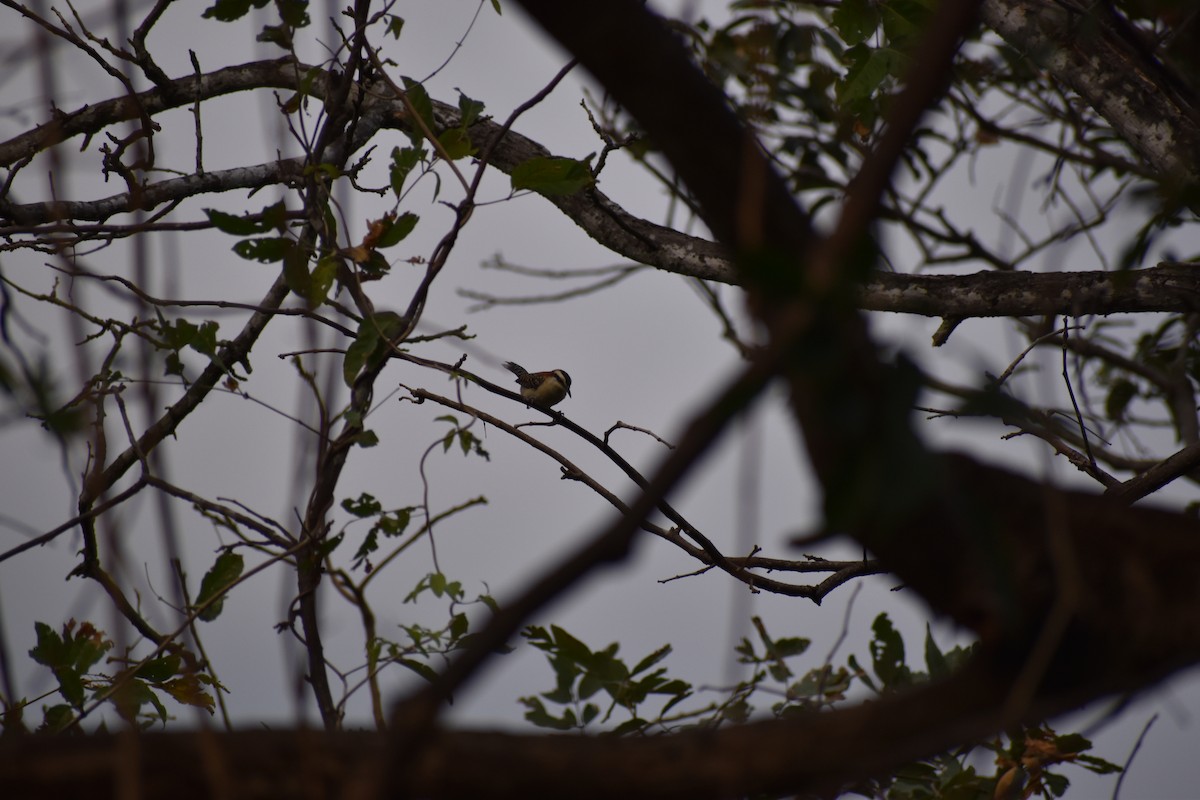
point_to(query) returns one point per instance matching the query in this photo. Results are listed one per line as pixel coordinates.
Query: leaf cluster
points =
(582, 675)
(136, 689)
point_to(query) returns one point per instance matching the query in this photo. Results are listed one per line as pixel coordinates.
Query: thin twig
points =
(1137, 746)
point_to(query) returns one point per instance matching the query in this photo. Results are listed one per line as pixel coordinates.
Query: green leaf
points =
(737, 711)
(469, 110)
(366, 438)
(1119, 396)
(372, 345)
(404, 160)
(423, 106)
(293, 12)
(330, 544)
(365, 505)
(458, 626)
(230, 10)
(321, 280)
(324, 171)
(69, 655)
(652, 659)
(70, 685)
(591, 684)
(183, 334)
(1097, 765)
(396, 232)
(569, 647)
(424, 670)
(202, 338)
(631, 725)
(496, 6)
(295, 271)
(675, 687)
(224, 571)
(279, 35)
(867, 71)
(887, 654)
(437, 584)
(855, 20)
(565, 675)
(173, 365)
(606, 667)
(421, 586)
(456, 142)
(394, 26)
(357, 353)
(157, 670)
(330, 222)
(904, 21)
(790, 646)
(58, 717)
(539, 716)
(131, 696)
(49, 650)
(935, 662)
(264, 250)
(189, 690)
(1072, 743)
(837, 683)
(376, 265)
(391, 524)
(273, 217)
(552, 175)
(394, 523)
(1057, 784)
(538, 637)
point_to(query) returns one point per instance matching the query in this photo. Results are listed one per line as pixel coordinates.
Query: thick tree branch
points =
(1167, 287)
(1172, 288)
(805, 754)
(20, 216)
(93, 118)
(1097, 55)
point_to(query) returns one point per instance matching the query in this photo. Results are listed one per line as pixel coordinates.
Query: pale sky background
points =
(651, 332)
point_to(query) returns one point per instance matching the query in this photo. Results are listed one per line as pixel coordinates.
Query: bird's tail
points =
(516, 369)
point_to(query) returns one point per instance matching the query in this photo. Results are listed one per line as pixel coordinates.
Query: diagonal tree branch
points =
(1090, 49)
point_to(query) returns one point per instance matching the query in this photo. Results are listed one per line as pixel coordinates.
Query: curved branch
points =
(154, 194)
(91, 119)
(841, 572)
(1168, 287)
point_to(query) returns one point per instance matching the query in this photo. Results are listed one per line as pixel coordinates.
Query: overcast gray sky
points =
(645, 352)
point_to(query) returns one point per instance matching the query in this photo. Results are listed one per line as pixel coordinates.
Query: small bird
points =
(541, 388)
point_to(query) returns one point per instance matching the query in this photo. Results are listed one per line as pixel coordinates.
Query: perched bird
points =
(541, 388)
